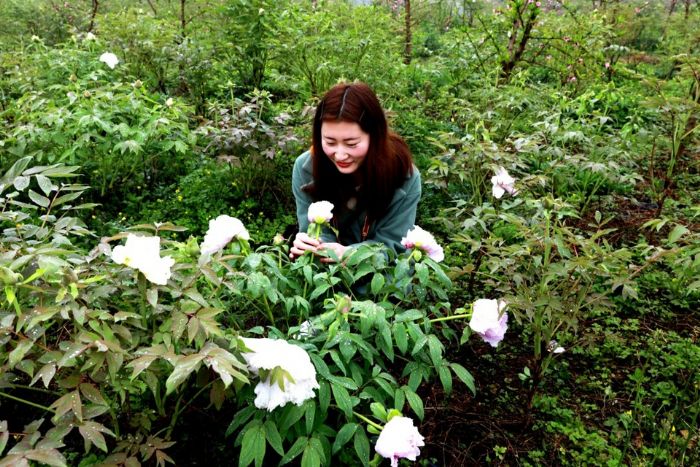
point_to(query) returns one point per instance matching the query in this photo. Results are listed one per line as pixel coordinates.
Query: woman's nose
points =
(340, 155)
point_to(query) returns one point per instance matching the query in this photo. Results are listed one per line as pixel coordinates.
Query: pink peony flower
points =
(399, 439)
(221, 231)
(489, 320)
(503, 182)
(423, 240)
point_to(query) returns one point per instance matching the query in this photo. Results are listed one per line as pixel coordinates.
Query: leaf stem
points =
(19, 399)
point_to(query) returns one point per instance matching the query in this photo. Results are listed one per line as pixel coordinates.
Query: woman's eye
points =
(352, 146)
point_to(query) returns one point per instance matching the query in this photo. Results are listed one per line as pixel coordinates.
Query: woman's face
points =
(345, 144)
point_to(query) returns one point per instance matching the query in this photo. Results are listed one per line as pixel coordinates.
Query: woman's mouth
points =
(343, 165)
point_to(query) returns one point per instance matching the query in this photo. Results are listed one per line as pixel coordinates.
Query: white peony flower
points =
(554, 347)
(110, 59)
(143, 253)
(423, 240)
(169, 102)
(399, 439)
(487, 320)
(221, 231)
(270, 357)
(91, 37)
(320, 212)
(503, 182)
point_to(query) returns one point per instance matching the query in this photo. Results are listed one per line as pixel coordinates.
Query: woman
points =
(361, 167)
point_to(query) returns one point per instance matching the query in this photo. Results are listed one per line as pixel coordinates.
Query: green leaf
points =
(464, 376)
(45, 184)
(342, 398)
(273, 437)
(310, 415)
(4, 435)
(401, 337)
(20, 351)
(46, 456)
(362, 446)
(445, 378)
(295, 450)
(253, 445)
(677, 232)
(344, 435)
(241, 417)
(42, 201)
(16, 169)
(311, 457)
(377, 283)
(409, 315)
(414, 401)
(435, 349)
(20, 183)
(183, 368)
(324, 395)
(92, 434)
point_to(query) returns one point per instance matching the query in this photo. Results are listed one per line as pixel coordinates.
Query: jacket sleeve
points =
(400, 216)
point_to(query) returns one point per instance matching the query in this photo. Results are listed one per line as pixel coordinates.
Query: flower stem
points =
(367, 420)
(449, 318)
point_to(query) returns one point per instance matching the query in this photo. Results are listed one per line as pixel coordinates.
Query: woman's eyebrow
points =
(354, 138)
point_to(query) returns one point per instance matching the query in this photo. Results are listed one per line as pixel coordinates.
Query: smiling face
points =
(345, 144)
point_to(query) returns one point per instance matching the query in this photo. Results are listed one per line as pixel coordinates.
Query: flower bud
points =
(343, 304)
(137, 84)
(73, 78)
(87, 94)
(169, 102)
(278, 240)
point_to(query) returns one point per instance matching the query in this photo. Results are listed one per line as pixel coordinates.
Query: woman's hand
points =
(338, 249)
(303, 243)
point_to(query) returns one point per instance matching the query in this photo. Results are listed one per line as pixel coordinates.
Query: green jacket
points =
(399, 219)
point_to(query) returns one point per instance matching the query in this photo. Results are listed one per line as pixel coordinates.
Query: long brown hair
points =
(388, 161)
